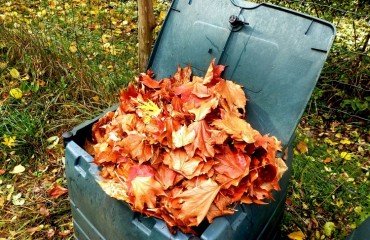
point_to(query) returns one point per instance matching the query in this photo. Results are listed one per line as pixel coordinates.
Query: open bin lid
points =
(277, 54)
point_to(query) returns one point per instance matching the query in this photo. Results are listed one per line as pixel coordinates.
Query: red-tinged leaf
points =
(213, 73)
(166, 176)
(232, 93)
(148, 81)
(202, 139)
(145, 191)
(232, 164)
(238, 128)
(140, 171)
(195, 203)
(201, 111)
(137, 147)
(98, 128)
(126, 105)
(56, 191)
(2, 171)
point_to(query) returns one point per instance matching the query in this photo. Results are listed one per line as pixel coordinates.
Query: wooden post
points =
(146, 26)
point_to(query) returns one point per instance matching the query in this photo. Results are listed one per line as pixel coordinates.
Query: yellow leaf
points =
(345, 141)
(18, 169)
(296, 235)
(14, 73)
(329, 227)
(302, 147)
(149, 109)
(9, 141)
(346, 155)
(16, 93)
(73, 47)
(3, 65)
(105, 38)
(96, 98)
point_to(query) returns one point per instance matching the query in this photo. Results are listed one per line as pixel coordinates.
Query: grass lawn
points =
(63, 62)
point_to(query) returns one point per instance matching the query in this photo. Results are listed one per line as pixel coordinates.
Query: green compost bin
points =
(277, 55)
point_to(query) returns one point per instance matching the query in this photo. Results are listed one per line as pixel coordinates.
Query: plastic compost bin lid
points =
(277, 54)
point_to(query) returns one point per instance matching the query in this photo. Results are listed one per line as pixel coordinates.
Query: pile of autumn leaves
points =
(180, 150)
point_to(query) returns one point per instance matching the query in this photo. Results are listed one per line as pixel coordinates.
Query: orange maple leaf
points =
(202, 139)
(233, 93)
(194, 203)
(145, 191)
(183, 136)
(56, 191)
(179, 161)
(238, 128)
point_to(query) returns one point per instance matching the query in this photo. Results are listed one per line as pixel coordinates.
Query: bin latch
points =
(237, 22)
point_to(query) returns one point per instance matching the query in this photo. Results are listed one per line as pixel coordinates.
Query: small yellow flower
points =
(9, 141)
(16, 93)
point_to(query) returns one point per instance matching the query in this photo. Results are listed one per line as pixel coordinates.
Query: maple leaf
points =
(137, 147)
(202, 139)
(213, 73)
(148, 81)
(205, 108)
(145, 191)
(232, 93)
(166, 176)
(214, 212)
(232, 164)
(148, 110)
(237, 127)
(56, 191)
(194, 203)
(182, 137)
(179, 161)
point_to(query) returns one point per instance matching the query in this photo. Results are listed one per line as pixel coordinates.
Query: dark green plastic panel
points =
(277, 56)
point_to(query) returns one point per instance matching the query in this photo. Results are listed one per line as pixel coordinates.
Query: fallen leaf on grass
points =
(17, 200)
(296, 235)
(18, 169)
(44, 211)
(302, 147)
(329, 227)
(346, 155)
(64, 233)
(2, 201)
(32, 231)
(16, 93)
(327, 160)
(56, 191)
(50, 233)
(2, 171)
(14, 73)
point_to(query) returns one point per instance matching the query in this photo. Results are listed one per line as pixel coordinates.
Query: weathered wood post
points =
(146, 26)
